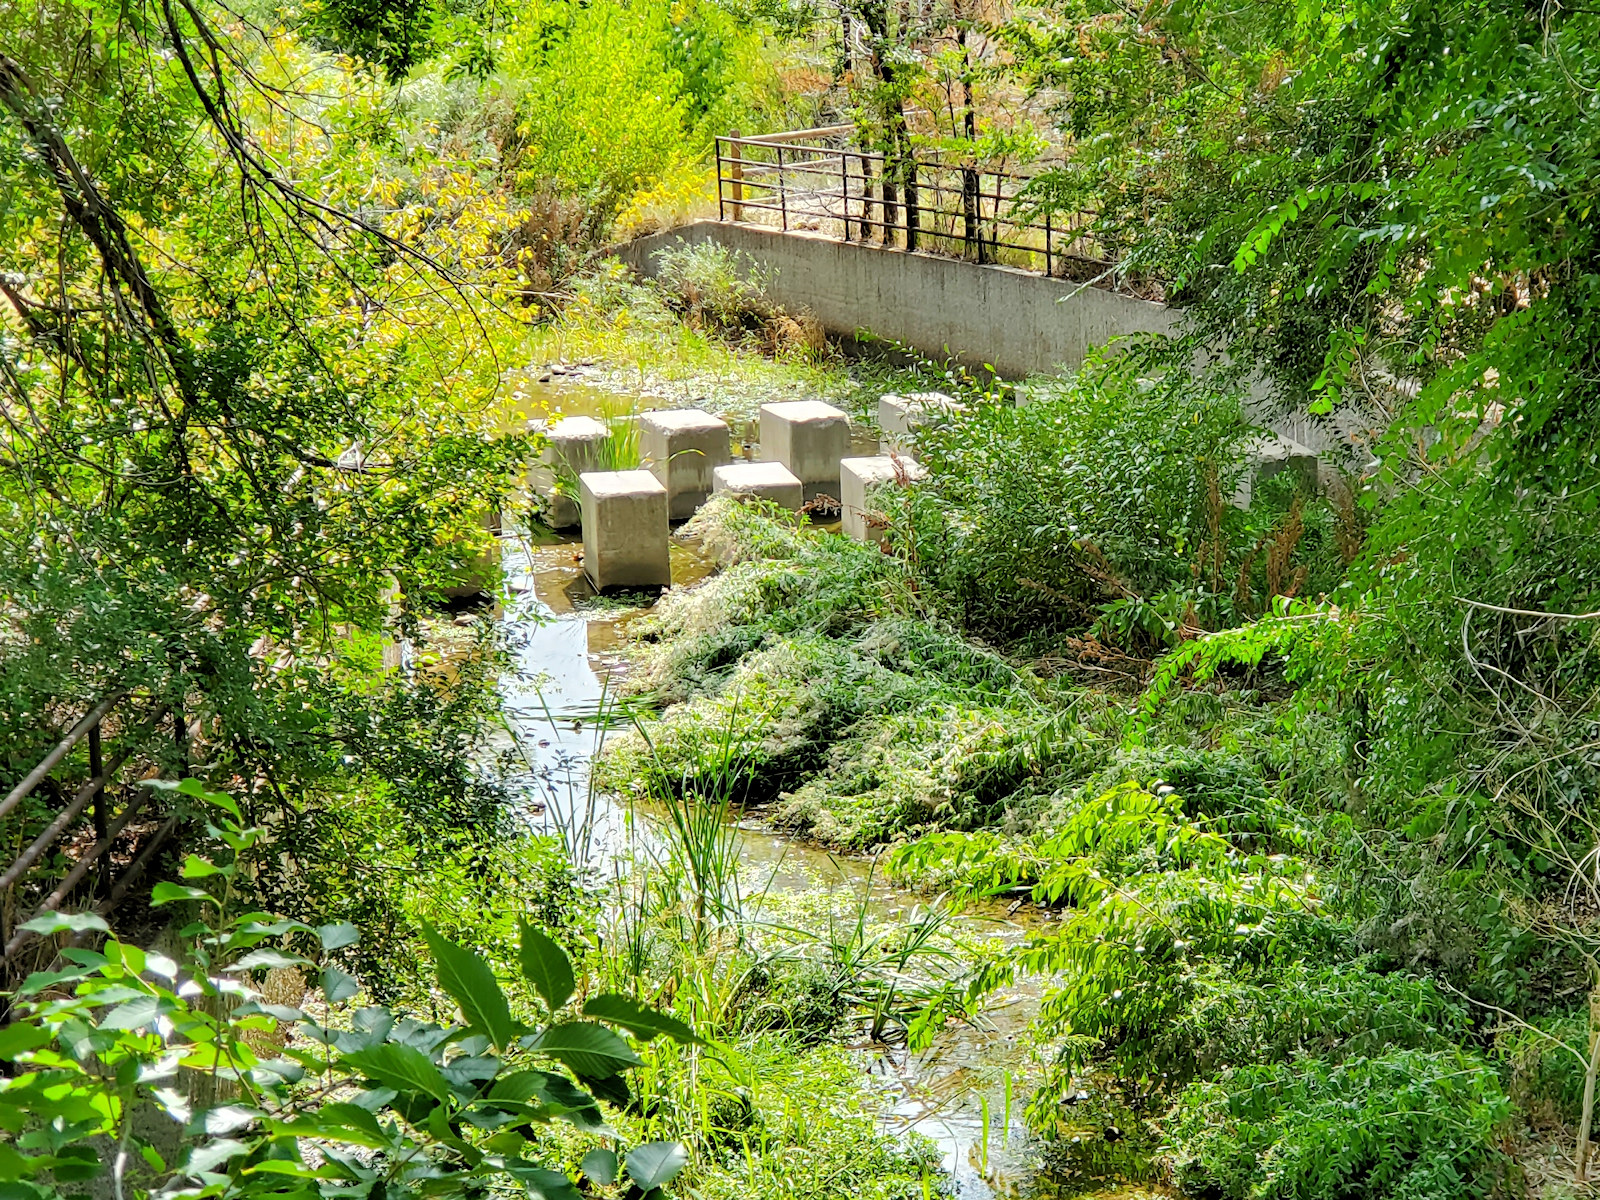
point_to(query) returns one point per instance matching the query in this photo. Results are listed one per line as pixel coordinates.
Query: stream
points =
(965, 1092)
(567, 657)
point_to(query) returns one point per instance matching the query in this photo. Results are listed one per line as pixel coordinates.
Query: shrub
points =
(1407, 1125)
(1105, 500)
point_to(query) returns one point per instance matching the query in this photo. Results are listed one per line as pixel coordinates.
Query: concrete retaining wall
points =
(1019, 322)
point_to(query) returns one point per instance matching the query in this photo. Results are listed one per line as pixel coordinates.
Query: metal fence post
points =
(913, 216)
(721, 215)
(783, 195)
(844, 191)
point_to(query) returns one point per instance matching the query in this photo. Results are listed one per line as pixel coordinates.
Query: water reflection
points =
(559, 701)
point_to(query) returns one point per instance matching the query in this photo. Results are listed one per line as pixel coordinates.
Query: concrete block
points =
(900, 416)
(480, 572)
(857, 478)
(624, 529)
(575, 444)
(1271, 456)
(682, 447)
(767, 480)
(809, 437)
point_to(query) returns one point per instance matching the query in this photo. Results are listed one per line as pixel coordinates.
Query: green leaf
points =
(267, 958)
(600, 1165)
(168, 893)
(135, 1014)
(199, 791)
(226, 1118)
(338, 935)
(46, 924)
(469, 980)
(545, 965)
(644, 1023)
(542, 1184)
(208, 1158)
(399, 1067)
(589, 1049)
(656, 1164)
(338, 986)
(352, 1124)
(195, 867)
(20, 1037)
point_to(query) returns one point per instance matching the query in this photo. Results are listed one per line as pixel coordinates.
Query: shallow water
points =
(567, 657)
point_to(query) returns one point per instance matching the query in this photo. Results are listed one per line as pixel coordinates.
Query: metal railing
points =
(94, 797)
(811, 179)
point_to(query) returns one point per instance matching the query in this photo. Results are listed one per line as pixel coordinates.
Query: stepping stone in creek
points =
(809, 437)
(624, 530)
(767, 480)
(899, 416)
(682, 447)
(573, 443)
(857, 478)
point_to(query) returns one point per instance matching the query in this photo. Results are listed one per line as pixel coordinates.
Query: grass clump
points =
(854, 717)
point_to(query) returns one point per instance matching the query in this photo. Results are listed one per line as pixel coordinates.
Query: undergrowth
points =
(1225, 976)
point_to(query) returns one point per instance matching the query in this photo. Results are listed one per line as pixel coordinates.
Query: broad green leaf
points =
(472, 984)
(199, 791)
(545, 965)
(135, 1014)
(267, 958)
(589, 1049)
(169, 893)
(656, 1164)
(542, 1184)
(195, 867)
(337, 986)
(644, 1023)
(226, 1118)
(202, 1159)
(399, 1067)
(338, 935)
(600, 1165)
(46, 924)
(20, 1037)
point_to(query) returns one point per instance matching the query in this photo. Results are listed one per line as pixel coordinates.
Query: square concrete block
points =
(624, 529)
(857, 478)
(1271, 456)
(767, 480)
(682, 447)
(899, 417)
(573, 443)
(809, 437)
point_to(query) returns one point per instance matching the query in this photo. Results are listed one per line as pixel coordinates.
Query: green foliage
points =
(394, 34)
(1104, 502)
(1410, 1123)
(423, 1108)
(631, 82)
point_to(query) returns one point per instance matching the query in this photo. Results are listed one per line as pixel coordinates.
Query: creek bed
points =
(567, 655)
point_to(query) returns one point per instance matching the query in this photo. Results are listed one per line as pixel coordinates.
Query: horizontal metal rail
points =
(35, 777)
(93, 792)
(74, 809)
(961, 207)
